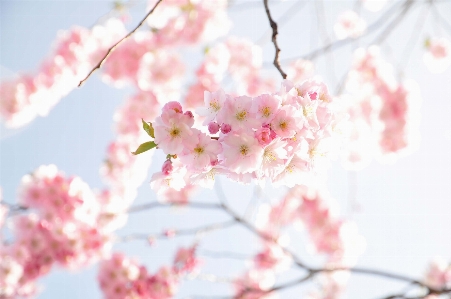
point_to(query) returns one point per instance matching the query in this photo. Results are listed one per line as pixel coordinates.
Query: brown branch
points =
(110, 50)
(273, 25)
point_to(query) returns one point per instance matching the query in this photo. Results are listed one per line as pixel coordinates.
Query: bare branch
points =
(180, 232)
(273, 25)
(406, 7)
(343, 42)
(110, 50)
(156, 204)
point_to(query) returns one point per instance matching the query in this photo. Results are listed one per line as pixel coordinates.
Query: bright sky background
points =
(403, 210)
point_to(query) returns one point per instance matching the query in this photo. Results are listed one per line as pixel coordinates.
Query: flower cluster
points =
(66, 227)
(76, 52)
(285, 137)
(312, 209)
(122, 278)
(189, 22)
(383, 112)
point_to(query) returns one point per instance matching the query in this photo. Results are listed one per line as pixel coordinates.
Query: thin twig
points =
(343, 42)
(223, 255)
(274, 39)
(110, 50)
(406, 7)
(179, 232)
(156, 204)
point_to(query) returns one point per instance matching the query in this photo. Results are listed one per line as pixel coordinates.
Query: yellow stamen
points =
(241, 115)
(198, 150)
(266, 112)
(268, 156)
(214, 105)
(283, 125)
(244, 150)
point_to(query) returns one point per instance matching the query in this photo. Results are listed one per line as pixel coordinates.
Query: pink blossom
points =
(237, 112)
(185, 260)
(438, 275)
(349, 24)
(300, 70)
(274, 159)
(438, 55)
(175, 180)
(242, 152)
(286, 122)
(265, 107)
(202, 153)
(180, 197)
(271, 258)
(214, 102)
(173, 129)
(265, 135)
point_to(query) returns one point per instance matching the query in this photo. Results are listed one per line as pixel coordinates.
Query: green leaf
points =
(148, 128)
(145, 147)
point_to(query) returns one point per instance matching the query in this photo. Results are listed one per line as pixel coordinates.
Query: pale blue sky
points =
(405, 208)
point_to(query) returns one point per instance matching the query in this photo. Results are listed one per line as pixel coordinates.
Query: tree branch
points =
(180, 232)
(156, 204)
(340, 43)
(274, 40)
(110, 50)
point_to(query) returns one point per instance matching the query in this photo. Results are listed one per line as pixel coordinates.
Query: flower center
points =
(283, 125)
(214, 105)
(308, 111)
(266, 112)
(244, 150)
(198, 150)
(268, 156)
(175, 132)
(241, 115)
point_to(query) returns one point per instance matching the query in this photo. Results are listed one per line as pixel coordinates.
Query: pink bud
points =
(263, 135)
(169, 233)
(225, 128)
(272, 134)
(167, 167)
(313, 95)
(189, 113)
(213, 127)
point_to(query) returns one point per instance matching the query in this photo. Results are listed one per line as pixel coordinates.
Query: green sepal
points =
(145, 147)
(148, 128)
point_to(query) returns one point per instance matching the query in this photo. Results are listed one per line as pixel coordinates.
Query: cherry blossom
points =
(438, 55)
(349, 24)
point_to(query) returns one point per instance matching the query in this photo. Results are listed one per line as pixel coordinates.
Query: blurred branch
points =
(395, 22)
(340, 43)
(156, 204)
(223, 254)
(110, 50)
(274, 40)
(178, 232)
(440, 19)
